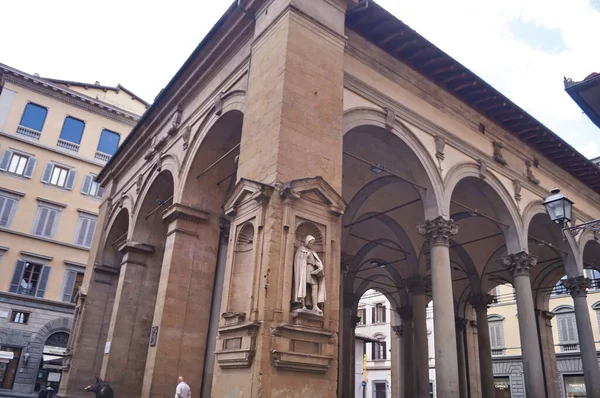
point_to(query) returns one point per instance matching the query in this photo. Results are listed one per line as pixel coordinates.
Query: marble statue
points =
(308, 275)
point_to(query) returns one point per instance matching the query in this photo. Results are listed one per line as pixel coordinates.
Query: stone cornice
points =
(197, 73)
(557, 174)
(438, 231)
(70, 96)
(35, 302)
(177, 211)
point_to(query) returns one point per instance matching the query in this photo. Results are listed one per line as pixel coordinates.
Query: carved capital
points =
(520, 264)
(177, 211)
(390, 119)
(517, 187)
(481, 301)
(417, 285)
(440, 144)
(438, 231)
(397, 330)
(406, 313)
(529, 173)
(577, 286)
(482, 169)
(187, 133)
(461, 323)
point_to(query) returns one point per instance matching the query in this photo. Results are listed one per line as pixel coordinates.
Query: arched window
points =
(59, 339)
(567, 328)
(496, 326)
(379, 350)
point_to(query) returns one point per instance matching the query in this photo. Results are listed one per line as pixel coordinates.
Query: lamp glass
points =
(558, 207)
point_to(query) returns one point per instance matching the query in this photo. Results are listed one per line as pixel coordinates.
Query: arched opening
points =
(116, 236)
(387, 182)
(50, 369)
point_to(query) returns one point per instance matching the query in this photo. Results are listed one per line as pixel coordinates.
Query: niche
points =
(242, 272)
(304, 229)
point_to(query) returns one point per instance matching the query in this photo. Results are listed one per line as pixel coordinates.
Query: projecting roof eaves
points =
(396, 38)
(581, 91)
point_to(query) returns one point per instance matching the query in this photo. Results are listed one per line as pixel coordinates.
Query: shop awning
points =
(48, 358)
(7, 355)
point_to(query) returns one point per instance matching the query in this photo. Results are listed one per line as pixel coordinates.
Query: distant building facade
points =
(55, 136)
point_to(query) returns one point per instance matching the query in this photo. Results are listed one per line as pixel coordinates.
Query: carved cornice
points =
(417, 285)
(328, 196)
(481, 301)
(245, 191)
(520, 264)
(438, 231)
(136, 247)
(577, 286)
(177, 211)
(73, 98)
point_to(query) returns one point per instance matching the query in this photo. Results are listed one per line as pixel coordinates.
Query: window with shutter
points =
(30, 279)
(85, 230)
(567, 328)
(46, 220)
(91, 187)
(8, 207)
(73, 280)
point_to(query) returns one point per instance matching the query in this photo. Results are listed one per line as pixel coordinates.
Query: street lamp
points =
(560, 210)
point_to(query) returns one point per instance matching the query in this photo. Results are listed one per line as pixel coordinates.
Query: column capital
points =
(577, 286)
(461, 323)
(438, 231)
(397, 330)
(406, 313)
(417, 284)
(520, 264)
(481, 301)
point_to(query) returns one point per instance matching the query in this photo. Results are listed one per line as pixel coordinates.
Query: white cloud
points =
(142, 45)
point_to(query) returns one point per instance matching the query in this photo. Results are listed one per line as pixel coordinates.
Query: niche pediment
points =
(246, 191)
(314, 189)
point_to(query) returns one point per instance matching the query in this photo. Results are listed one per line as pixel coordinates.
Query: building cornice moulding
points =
(362, 89)
(71, 97)
(207, 63)
(36, 303)
(57, 242)
(54, 150)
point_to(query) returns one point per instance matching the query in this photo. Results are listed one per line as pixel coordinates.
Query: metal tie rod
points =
(218, 160)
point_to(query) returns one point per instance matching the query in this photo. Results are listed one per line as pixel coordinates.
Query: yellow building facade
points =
(55, 136)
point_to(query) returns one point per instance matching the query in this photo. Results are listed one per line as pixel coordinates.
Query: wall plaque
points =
(153, 336)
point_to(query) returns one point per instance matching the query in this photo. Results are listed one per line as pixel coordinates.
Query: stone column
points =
(520, 265)
(182, 312)
(462, 357)
(438, 233)
(124, 359)
(418, 290)
(407, 350)
(480, 303)
(591, 372)
(397, 363)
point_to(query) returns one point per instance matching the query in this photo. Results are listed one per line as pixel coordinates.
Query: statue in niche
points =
(309, 281)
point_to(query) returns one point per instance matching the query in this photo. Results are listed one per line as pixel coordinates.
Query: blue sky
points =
(521, 47)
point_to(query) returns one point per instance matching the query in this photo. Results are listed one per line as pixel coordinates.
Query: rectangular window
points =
(8, 208)
(378, 313)
(34, 117)
(502, 387)
(379, 350)
(59, 176)
(72, 130)
(567, 332)
(30, 279)
(17, 163)
(362, 316)
(19, 317)
(575, 386)
(497, 337)
(8, 370)
(85, 230)
(91, 187)
(109, 142)
(380, 390)
(46, 220)
(73, 281)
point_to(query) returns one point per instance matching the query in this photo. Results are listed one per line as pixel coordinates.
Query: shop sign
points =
(55, 350)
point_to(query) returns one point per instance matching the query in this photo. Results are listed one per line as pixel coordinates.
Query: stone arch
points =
(433, 198)
(572, 261)
(514, 236)
(596, 306)
(118, 225)
(233, 103)
(372, 285)
(589, 241)
(54, 326)
(141, 199)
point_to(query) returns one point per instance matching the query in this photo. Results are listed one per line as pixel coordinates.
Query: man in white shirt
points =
(182, 390)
